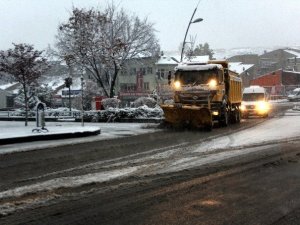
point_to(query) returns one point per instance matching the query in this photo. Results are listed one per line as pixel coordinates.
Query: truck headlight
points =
(212, 83)
(177, 84)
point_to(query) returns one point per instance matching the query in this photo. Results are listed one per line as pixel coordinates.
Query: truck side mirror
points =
(169, 77)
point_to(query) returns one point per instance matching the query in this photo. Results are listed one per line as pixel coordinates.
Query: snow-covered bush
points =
(146, 112)
(116, 114)
(110, 103)
(169, 102)
(147, 101)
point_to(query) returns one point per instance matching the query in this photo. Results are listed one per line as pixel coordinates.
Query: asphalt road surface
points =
(134, 180)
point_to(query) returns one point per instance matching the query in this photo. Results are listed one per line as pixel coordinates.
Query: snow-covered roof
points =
(175, 59)
(239, 67)
(167, 60)
(8, 85)
(200, 67)
(54, 82)
(297, 54)
(254, 89)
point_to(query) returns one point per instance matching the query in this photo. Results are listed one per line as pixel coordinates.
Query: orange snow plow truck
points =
(204, 93)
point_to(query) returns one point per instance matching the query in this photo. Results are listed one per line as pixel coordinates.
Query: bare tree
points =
(26, 65)
(101, 41)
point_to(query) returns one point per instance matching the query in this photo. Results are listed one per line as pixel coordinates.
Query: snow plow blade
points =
(195, 116)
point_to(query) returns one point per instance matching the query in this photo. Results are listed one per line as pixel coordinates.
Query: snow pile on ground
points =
(296, 107)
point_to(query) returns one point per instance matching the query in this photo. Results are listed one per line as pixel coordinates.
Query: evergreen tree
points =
(203, 50)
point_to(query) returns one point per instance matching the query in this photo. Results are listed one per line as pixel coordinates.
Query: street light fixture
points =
(191, 21)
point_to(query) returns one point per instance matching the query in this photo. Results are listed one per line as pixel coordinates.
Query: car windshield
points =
(196, 77)
(253, 97)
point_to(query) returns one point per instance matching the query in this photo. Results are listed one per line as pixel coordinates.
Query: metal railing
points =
(48, 114)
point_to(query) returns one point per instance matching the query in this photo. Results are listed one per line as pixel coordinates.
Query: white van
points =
(255, 102)
(295, 95)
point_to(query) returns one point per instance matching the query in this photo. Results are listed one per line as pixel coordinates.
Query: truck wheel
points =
(238, 116)
(224, 119)
(208, 127)
(234, 116)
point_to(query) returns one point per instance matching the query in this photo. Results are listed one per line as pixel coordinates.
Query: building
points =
(246, 71)
(293, 63)
(279, 82)
(245, 59)
(6, 99)
(278, 59)
(136, 79)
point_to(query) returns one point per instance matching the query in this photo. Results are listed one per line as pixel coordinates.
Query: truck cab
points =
(204, 93)
(255, 102)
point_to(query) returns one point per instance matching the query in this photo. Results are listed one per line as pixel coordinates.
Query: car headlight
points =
(262, 106)
(243, 108)
(212, 83)
(177, 84)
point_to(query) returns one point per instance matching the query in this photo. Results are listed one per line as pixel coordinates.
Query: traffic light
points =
(68, 82)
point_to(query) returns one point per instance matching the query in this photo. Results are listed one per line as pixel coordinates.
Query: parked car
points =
(295, 95)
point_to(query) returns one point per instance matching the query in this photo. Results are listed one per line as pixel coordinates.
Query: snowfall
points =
(178, 157)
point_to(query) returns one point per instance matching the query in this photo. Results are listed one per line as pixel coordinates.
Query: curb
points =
(47, 137)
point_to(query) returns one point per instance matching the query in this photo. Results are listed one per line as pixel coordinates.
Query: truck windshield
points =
(196, 77)
(253, 97)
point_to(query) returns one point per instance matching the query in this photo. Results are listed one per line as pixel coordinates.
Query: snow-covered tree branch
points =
(26, 65)
(101, 41)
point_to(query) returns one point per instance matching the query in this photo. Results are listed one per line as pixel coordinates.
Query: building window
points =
(160, 73)
(133, 71)
(124, 72)
(146, 86)
(142, 71)
(149, 70)
(127, 87)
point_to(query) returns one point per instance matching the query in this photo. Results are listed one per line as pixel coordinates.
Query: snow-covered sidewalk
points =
(16, 129)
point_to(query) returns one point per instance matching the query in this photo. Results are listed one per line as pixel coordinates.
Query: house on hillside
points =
(245, 59)
(246, 71)
(277, 59)
(279, 82)
(293, 63)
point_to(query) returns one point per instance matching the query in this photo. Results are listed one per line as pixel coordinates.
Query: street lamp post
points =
(191, 21)
(81, 79)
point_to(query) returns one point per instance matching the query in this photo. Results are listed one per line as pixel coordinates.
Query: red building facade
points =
(279, 82)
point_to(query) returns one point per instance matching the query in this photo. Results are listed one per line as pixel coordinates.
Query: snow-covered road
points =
(179, 157)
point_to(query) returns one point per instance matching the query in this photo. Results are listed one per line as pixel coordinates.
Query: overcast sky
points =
(226, 24)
